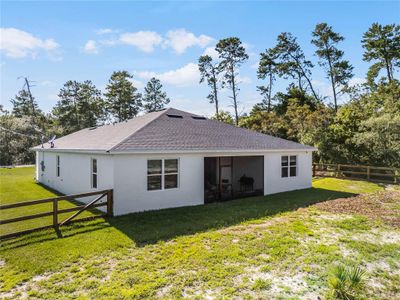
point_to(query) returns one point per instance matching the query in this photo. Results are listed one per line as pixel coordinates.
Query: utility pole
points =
(30, 95)
(27, 85)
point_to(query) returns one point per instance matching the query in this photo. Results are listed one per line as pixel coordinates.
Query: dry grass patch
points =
(383, 205)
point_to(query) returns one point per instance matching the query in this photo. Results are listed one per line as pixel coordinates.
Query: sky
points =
(53, 42)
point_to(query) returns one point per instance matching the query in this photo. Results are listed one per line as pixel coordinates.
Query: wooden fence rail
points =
(56, 211)
(369, 173)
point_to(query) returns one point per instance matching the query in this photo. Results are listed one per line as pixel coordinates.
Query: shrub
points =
(345, 283)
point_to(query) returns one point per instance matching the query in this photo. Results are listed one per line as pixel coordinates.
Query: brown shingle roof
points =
(162, 130)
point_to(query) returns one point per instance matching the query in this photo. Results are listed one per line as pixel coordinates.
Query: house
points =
(172, 158)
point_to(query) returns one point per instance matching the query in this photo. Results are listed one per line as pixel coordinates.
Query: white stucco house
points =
(172, 158)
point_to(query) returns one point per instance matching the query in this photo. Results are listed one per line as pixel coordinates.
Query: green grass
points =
(245, 248)
(18, 185)
(349, 186)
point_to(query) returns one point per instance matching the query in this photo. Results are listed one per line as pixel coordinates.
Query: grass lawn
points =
(17, 185)
(278, 246)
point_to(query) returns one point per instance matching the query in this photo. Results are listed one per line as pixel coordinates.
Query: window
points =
(162, 174)
(288, 166)
(94, 173)
(58, 166)
(170, 173)
(293, 166)
(154, 174)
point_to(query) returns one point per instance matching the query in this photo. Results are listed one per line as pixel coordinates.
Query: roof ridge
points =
(182, 111)
(139, 129)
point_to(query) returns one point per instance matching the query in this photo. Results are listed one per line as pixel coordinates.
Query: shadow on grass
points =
(162, 225)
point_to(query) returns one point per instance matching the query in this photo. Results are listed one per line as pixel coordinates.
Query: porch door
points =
(225, 177)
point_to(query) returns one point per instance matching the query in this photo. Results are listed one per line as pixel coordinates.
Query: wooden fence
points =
(56, 211)
(369, 173)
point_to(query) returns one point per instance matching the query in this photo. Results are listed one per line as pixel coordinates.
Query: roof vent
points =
(175, 116)
(199, 118)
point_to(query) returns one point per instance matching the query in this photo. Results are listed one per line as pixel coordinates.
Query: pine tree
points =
(293, 63)
(80, 106)
(209, 72)
(339, 71)
(267, 69)
(382, 44)
(123, 100)
(232, 54)
(154, 98)
(24, 105)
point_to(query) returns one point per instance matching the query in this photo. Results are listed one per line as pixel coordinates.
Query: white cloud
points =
(185, 76)
(322, 87)
(244, 79)
(105, 31)
(325, 88)
(91, 47)
(249, 50)
(356, 81)
(143, 40)
(47, 83)
(109, 42)
(137, 83)
(211, 52)
(180, 39)
(255, 65)
(16, 43)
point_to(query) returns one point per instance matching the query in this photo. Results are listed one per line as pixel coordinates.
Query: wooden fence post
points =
(55, 213)
(55, 217)
(110, 203)
(337, 173)
(313, 170)
(368, 172)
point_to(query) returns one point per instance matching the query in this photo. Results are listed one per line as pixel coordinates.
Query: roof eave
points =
(99, 151)
(155, 151)
(172, 151)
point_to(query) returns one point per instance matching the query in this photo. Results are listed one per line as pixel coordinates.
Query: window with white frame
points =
(170, 173)
(94, 173)
(58, 165)
(162, 174)
(288, 166)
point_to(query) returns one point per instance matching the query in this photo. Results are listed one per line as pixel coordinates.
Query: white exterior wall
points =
(130, 187)
(274, 183)
(127, 175)
(75, 171)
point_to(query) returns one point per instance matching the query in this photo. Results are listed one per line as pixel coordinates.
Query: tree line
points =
(80, 105)
(364, 129)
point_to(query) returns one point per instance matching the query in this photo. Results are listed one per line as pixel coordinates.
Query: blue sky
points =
(52, 42)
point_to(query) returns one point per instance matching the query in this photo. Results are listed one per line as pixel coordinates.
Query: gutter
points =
(196, 151)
